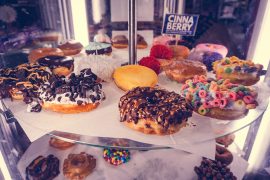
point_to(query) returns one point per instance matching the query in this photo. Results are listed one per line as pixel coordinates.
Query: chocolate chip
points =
(79, 102)
(59, 98)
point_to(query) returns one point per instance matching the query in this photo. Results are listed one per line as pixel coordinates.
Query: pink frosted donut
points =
(212, 48)
(163, 40)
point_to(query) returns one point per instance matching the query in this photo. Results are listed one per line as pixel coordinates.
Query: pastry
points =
(78, 166)
(219, 99)
(151, 63)
(130, 76)
(208, 47)
(42, 52)
(162, 40)
(179, 51)
(102, 38)
(60, 65)
(141, 43)
(49, 36)
(154, 111)
(226, 140)
(120, 42)
(223, 155)
(43, 168)
(58, 143)
(71, 48)
(101, 65)
(208, 53)
(22, 83)
(96, 48)
(75, 94)
(116, 156)
(213, 169)
(244, 72)
(163, 54)
(183, 70)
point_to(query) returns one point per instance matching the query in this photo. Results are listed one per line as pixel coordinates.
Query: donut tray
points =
(142, 165)
(104, 122)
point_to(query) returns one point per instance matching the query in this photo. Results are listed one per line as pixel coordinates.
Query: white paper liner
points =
(156, 164)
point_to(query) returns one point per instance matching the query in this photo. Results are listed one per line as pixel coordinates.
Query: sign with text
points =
(180, 24)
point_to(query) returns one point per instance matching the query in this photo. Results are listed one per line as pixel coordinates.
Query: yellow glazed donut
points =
(131, 76)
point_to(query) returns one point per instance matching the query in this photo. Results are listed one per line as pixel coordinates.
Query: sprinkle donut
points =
(219, 99)
(116, 156)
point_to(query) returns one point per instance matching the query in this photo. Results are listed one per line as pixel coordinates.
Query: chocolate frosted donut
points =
(43, 168)
(60, 65)
(223, 155)
(154, 111)
(78, 93)
(78, 166)
(22, 83)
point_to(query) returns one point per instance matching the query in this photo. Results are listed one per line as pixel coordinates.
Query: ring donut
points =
(78, 166)
(223, 155)
(42, 52)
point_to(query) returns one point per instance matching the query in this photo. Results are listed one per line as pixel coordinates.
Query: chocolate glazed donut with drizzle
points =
(154, 111)
(60, 65)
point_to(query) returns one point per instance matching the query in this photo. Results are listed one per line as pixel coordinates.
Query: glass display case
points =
(113, 34)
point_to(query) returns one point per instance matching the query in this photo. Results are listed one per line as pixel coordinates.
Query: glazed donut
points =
(208, 47)
(219, 99)
(60, 65)
(239, 71)
(131, 76)
(78, 166)
(71, 48)
(141, 43)
(96, 48)
(183, 70)
(223, 155)
(163, 54)
(179, 51)
(42, 52)
(226, 140)
(154, 111)
(43, 168)
(120, 42)
(58, 143)
(74, 94)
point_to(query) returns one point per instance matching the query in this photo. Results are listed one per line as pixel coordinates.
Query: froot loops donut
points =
(219, 99)
(116, 156)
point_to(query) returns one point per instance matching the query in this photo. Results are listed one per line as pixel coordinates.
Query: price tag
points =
(180, 24)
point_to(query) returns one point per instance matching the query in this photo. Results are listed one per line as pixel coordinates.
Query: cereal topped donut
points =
(77, 93)
(219, 99)
(238, 71)
(154, 111)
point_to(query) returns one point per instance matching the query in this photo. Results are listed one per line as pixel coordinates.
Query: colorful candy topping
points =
(151, 63)
(235, 65)
(206, 94)
(116, 156)
(209, 58)
(161, 52)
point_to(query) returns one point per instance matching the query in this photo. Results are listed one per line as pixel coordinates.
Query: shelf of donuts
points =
(51, 158)
(158, 96)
